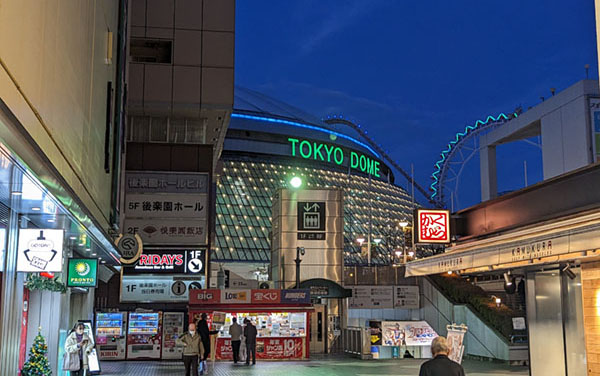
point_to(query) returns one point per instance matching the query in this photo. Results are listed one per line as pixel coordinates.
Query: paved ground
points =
(326, 367)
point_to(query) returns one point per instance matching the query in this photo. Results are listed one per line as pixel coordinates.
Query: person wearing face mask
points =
(81, 343)
(192, 349)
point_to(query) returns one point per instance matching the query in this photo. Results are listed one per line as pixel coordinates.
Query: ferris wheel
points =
(459, 151)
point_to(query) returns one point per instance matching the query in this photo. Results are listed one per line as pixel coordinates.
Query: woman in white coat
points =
(81, 344)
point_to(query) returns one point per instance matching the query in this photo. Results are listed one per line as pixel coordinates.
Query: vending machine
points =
(144, 335)
(111, 335)
(172, 329)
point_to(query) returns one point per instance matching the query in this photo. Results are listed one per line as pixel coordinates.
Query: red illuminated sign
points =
(210, 296)
(266, 296)
(266, 348)
(433, 226)
(165, 259)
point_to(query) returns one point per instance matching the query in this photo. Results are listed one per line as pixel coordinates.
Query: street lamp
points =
(296, 182)
(360, 241)
(403, 224)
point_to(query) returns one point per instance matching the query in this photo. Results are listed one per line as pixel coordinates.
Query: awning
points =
(549, 242)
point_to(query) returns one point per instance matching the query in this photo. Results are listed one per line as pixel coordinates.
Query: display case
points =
(144, 335)
(110, 335)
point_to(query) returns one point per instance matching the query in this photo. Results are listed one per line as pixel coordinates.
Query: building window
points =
(151, 51)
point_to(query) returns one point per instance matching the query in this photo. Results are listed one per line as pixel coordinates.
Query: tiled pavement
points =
(324, 367)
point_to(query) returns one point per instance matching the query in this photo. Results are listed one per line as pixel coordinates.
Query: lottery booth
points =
(281, 317)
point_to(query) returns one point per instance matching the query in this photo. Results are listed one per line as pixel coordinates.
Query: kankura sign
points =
(82, 272)
(334, 154)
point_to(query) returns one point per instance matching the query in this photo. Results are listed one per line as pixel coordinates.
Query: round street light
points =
(360, 241)
(403, 224)
(377, 240)
(296, 182)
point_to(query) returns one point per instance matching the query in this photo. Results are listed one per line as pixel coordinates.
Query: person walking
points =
(235, 330)
(441, 365)
(205, 334)
(250, 334)
(79, 343)
(192, 350)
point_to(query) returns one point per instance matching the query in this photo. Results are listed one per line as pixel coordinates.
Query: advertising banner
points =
(406, 297)
(172, 329)
(169, 261)
(82, 272)
(407, 333)
(161, 205)
(40, 250)
(296, 296)
(266, 348)
(266, 296)
(455, 339)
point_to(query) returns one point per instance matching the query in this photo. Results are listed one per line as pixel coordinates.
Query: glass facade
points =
(243, 209)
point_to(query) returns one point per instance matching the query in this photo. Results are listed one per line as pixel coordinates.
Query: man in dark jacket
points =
(440, 365)
(205, 333)
(250, 334)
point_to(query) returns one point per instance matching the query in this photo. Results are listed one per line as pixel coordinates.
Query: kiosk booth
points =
(281, 317)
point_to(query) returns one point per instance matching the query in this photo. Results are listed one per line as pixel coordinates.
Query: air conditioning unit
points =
(266, 285)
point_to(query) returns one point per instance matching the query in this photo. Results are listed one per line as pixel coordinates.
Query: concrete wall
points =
(54, 78)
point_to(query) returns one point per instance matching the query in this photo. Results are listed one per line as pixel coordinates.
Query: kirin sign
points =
(432, 226)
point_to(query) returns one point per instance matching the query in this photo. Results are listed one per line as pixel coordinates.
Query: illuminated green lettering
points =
(335, 155)
(318, 151)
(376, 165)
(328, 151)
(307, 155)
(363, 163)
(353, 159)
(293, 141)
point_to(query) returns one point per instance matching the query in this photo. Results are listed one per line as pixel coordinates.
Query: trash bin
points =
(375, 352)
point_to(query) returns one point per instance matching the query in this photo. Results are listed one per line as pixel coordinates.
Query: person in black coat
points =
(205, 333)
(441, 365)
(250, 333)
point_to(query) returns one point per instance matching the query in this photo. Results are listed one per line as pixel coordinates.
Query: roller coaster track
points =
(382, 153)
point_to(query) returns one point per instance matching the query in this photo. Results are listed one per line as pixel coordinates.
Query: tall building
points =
(61, 112)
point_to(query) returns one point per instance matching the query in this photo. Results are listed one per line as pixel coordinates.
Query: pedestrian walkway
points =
(335, 367)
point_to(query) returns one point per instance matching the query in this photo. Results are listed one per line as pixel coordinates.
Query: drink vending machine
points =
(144, 335)
(111, 335)
(172, 329)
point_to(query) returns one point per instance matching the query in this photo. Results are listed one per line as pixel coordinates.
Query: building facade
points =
(61, 112)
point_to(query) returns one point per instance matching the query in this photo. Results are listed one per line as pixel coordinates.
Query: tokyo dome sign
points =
(322, 152)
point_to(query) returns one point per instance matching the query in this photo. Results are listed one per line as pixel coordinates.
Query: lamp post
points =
(403, 224)
(299, 251)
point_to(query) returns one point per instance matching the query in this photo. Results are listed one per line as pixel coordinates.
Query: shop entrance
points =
(555, 321)
(318, 329)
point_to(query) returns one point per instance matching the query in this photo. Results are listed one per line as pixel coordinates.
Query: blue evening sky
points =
(416, 72)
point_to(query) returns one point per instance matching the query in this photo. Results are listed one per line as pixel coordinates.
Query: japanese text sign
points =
(432, 226)
(155, 182)
(266, 296)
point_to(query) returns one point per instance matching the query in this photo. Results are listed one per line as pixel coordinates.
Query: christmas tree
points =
(37, 364)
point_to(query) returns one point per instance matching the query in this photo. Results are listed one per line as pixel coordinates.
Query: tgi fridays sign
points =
(166, 261)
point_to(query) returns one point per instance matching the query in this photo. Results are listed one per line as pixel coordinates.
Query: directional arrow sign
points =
(194, 265)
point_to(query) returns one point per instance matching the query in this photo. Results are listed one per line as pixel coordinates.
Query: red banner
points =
(210, 296)
(266, 348)
(269, 296)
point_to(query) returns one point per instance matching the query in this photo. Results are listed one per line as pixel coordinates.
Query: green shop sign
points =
(82, 272)
(334, 154)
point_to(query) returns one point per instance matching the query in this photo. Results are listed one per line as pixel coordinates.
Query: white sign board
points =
(235, 296)
(372, 297)
(169, 231)
(155, 289)
(40, 250)
(406, 297)
(167, 205)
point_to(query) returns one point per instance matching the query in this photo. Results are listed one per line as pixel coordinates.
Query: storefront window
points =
(274, 324)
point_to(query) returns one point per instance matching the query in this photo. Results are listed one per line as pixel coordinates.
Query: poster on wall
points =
(407, 333)
(40, 250)
(266, 348)
(455, 337)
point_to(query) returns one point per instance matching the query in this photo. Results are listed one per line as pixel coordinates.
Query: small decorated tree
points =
(37, 364)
